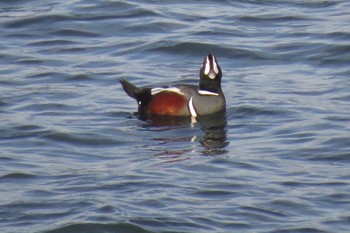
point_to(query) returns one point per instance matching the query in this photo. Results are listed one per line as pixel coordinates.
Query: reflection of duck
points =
(182, 99)
(214, 127)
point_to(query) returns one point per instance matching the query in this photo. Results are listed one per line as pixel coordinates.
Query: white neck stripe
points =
(202, 92)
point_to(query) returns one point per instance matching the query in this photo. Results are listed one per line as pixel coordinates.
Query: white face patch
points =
(212, 75)
(207, 67)
(211, 68)
(215, 66)
(157, 90)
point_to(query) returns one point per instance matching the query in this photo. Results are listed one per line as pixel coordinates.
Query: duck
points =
(182, 99)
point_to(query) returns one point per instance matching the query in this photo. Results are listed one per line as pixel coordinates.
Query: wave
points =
(98, 227)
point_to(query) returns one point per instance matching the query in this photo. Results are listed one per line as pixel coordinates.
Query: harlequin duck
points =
(183, 99)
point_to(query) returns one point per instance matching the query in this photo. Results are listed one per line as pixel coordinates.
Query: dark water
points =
(74, 156)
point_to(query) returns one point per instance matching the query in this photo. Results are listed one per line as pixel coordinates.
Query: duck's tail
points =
(132, 90)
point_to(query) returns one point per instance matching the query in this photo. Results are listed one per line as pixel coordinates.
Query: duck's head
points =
(210, 74)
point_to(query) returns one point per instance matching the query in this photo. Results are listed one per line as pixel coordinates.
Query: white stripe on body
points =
(191, 107)
(157, 90)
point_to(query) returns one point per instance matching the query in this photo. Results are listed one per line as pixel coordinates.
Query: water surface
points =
(76, 157)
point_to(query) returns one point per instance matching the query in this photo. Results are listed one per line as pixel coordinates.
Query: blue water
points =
(76, 157)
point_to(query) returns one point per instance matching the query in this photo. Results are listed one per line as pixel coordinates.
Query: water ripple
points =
(93, 227)
(17, 176)
(76, 157)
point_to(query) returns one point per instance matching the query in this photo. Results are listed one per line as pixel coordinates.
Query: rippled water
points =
(75, 157)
